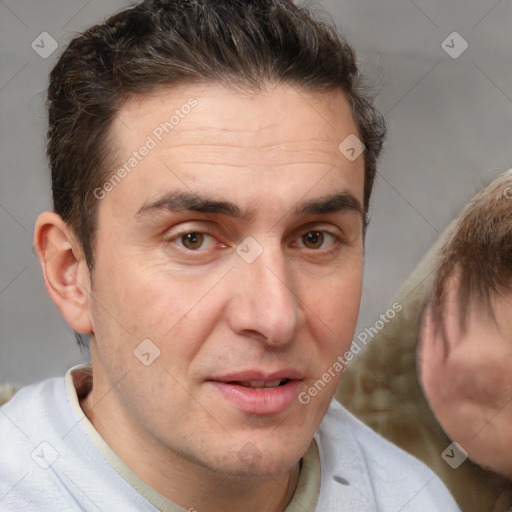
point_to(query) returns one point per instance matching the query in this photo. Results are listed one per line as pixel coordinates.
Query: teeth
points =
(260, 383)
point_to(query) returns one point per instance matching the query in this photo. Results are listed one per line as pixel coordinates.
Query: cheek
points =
(333, 309)
(147, 300)
(467, 389)
(479, 373)
(341, 296)
(489, 381)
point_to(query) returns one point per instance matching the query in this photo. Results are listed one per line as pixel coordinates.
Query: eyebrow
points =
(183, 200)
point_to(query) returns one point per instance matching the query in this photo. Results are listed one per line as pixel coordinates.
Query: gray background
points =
(450, 123)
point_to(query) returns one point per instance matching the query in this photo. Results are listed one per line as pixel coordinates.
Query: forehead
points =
(221, 111)
(204, 137)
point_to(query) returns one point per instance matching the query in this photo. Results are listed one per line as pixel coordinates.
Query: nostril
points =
(341, 480)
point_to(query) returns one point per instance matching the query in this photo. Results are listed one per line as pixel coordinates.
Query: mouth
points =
(258, 393)
(260, 384)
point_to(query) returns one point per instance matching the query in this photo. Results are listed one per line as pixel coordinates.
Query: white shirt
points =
(52, 459)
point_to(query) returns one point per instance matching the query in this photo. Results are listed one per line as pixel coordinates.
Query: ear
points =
(425, 342)
(433, 352)
(65, 271)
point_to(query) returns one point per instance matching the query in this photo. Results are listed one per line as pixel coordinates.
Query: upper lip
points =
(258, 375)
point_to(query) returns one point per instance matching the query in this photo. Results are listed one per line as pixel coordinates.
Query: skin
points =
(207, 310)
(470, 391)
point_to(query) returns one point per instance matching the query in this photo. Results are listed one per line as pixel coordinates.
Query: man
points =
(210, 202)
(458, 387)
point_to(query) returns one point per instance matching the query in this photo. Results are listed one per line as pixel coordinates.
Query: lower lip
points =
(261, 400)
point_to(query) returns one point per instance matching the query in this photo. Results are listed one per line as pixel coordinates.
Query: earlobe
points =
(64, 270)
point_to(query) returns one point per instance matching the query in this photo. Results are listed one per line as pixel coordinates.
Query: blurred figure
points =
(466, 337)
(448, 378)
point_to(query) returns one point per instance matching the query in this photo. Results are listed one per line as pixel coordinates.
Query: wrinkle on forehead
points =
(277, 140)
(312, 116)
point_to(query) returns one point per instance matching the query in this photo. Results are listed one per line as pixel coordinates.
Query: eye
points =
(315, 239)
(192, 240)
(198, 241)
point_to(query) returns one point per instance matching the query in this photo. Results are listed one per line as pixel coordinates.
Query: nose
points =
(265, 304)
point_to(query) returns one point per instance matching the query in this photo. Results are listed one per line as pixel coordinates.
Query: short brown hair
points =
(165, 43)
(478, 254)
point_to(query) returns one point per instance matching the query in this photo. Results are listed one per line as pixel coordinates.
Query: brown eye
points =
(192, 240)
(315, 238)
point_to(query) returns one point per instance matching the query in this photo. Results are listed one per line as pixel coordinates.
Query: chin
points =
(267, 466)
(257, 460)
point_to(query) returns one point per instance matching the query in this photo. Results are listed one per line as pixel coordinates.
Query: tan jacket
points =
(380, 387)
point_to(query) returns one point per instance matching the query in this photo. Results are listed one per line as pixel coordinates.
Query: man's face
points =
(226, 324)
(470, 390)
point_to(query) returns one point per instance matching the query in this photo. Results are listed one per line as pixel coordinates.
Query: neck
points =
(182, 481)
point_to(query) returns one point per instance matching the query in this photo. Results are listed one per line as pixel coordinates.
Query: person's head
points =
(162, 44)
(466, 336)
(194, 149)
